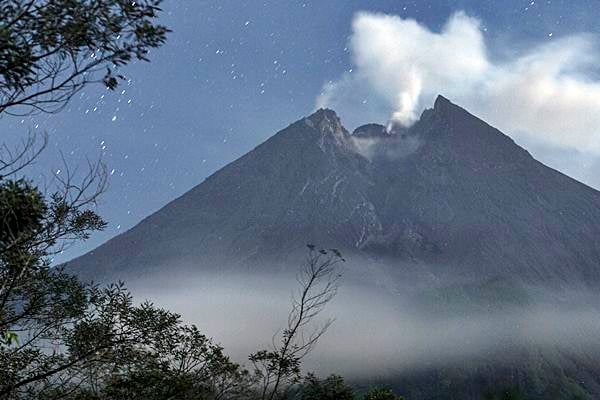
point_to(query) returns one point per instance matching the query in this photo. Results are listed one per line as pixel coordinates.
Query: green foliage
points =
(184, 364)
(381, 394)
(49, 49)
(62, 338)
(9, 338)
(39, 306)
(330, 388)
(22, 209)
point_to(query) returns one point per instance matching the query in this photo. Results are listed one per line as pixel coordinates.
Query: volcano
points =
(451, 197)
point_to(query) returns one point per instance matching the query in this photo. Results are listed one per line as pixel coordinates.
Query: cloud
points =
(242, 312)
(548, 91)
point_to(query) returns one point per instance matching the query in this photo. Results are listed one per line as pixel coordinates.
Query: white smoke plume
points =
(549, 91)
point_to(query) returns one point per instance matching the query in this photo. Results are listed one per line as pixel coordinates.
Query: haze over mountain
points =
(469, 254)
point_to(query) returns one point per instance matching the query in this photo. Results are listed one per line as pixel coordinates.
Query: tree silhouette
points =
(51, 49)
(279, 367)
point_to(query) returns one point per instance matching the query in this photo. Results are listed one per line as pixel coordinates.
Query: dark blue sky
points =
(233, 73)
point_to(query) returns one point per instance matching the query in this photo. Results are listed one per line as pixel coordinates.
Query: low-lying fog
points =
(375, 332)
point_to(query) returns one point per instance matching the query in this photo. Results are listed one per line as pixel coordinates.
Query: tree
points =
(51, 49)
(62, 338)
(42, 309)
(33, 227)
(188, 366)
(381, 394)
(183, 365)
(331, 388)
(102, 332)
(279, 367)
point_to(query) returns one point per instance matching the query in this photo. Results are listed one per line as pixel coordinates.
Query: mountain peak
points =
(441, 106)
(327, 122)
(441, 103)
(444, 107)
(326, 115)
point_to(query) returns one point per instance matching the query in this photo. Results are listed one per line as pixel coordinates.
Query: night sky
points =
(234, 72)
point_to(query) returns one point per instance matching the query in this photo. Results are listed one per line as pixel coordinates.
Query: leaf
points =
(10, 338)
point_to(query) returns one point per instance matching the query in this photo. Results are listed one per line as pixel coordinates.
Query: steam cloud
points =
(391, 149)
(549, 91)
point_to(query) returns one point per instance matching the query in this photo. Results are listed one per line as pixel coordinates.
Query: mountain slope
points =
(451, 195)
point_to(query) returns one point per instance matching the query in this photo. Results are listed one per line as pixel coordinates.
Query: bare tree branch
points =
(319, 282)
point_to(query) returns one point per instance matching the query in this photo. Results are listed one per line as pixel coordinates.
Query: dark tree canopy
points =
(63, 339)
(331, 388)
(50, 49)
(381, 394)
